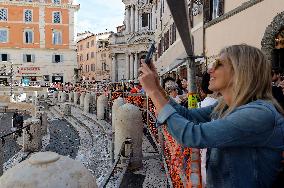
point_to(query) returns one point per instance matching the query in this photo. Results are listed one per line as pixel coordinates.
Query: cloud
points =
(99, 16)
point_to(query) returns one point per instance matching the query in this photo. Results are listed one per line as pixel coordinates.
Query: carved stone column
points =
(136, 19)
(127, 76)
(127, 19)
(132, 18)
(131, 67)
(136, 66)
(113, 68)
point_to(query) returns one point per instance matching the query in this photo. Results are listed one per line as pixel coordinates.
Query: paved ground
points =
(64, 139)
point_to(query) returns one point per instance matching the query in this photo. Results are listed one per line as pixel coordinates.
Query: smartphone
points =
(150, 53)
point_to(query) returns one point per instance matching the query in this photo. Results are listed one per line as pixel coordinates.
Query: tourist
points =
(172, 90)
(277, 87)
(243, 131)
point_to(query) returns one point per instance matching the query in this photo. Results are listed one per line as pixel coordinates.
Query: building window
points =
(87, 56)
(88, 44)
(92, 43)
(173, 33)
(28, 16)
(28, 36)
(57, 58)
(56, 17)
(81, 47)
(92, 54)
(4, 57)
(166, 40)
(104, 65)
(145, 19)
(56, 1)
(3, 35)
(3, 14)
(213, 9)
(28, 58)
(93, 68)
(56, 37)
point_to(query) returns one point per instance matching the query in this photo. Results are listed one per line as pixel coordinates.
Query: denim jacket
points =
(245, 147)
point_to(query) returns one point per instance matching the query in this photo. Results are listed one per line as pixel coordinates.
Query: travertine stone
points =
(32, 141)
(101, 106)
(129, 124)
(67, 109)
(71, 96)
(82, 97)
(63, 96)
(48, 170)
(54, 96)
(76, 97)
(87, 101)
(42, 116)
(59, 97)
(115, 106)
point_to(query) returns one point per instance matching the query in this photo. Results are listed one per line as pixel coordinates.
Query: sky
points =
(99, 16)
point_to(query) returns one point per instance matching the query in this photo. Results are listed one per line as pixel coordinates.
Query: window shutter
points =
(221, 8)
(8, 57)
(24, 58)
(33, 58)
(61, 58)
(0, 57)
(206, 11)
(53, 58)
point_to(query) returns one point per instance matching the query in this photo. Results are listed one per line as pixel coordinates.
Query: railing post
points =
(87, 101)
(42, 116)
(101, 106)
(115, 106)
(67, 109)
(63, 96)
(71, 96)
(129, 124)
(54, 97)
(76, 97)
(82, 97)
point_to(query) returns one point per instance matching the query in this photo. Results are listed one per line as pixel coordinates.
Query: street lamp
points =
(11, 78)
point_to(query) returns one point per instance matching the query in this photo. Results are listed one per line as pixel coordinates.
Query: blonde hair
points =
(251, 78)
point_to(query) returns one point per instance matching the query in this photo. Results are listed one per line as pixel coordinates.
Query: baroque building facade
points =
(93, 57)
(132, 40)
(37, 40)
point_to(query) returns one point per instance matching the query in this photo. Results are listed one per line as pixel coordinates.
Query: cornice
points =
(39, 4)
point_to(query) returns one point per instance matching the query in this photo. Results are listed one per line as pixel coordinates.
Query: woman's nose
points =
(210, 70)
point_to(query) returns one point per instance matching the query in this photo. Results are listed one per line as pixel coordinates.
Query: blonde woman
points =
(243, 131)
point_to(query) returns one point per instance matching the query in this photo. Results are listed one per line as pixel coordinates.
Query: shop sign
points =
(29, 70)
